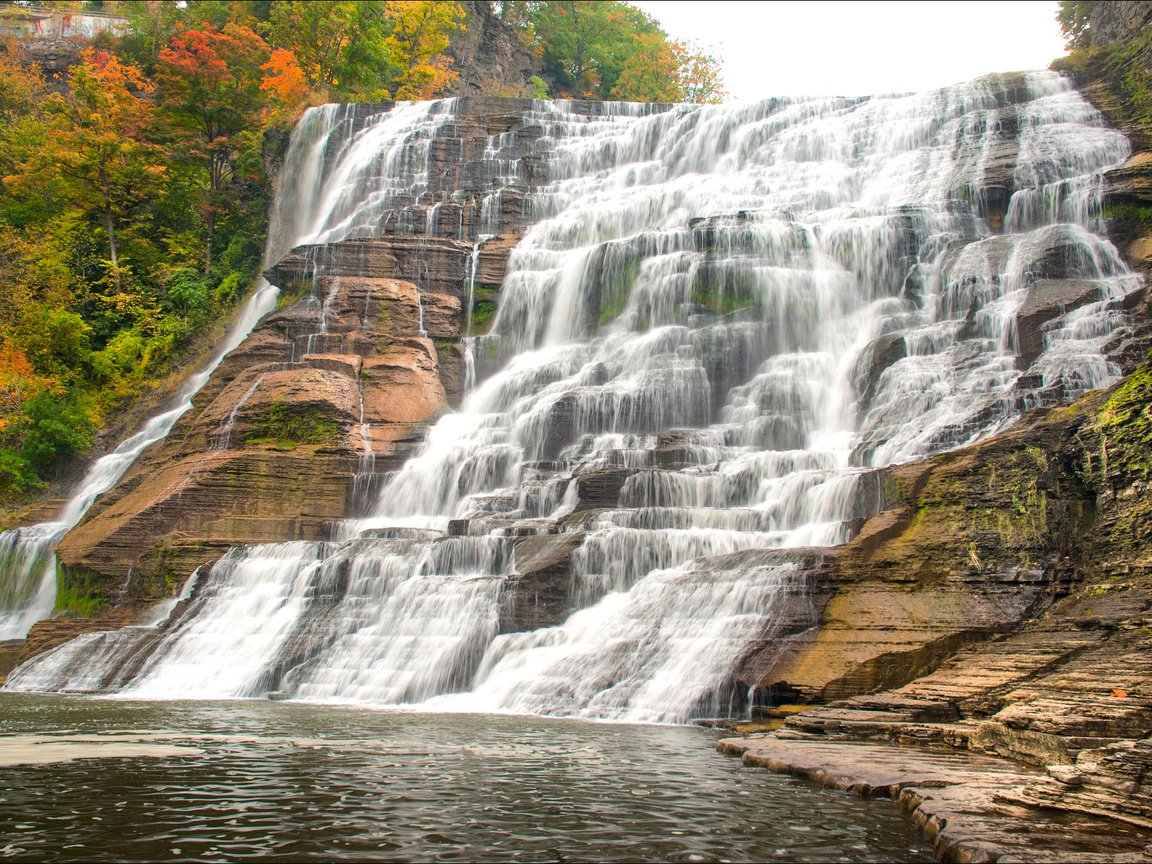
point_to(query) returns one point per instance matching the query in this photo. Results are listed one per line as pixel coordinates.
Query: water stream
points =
(27, 562)
(728, 316)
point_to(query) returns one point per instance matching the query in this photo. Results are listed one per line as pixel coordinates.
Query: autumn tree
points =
(606, 49)
(210, 92)
(284, 81)
(18, 384)
(699, 75)
(95, 148)
(651, 73)
(421, 32)
(24, 84)
(340, 46)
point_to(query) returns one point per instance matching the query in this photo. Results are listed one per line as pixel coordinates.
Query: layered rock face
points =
(334, 390)
(1041, 537)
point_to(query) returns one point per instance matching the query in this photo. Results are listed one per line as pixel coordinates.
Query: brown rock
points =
(538, 593)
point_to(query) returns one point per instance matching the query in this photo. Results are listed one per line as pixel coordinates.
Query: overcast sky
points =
(861, 48)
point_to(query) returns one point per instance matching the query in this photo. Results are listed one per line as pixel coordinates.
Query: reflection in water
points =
(292, 782)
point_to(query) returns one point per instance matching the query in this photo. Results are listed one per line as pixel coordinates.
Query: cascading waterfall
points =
(734, 313)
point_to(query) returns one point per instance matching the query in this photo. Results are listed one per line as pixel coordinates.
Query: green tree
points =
(1073, 17)
(340, 46)
(607, 49)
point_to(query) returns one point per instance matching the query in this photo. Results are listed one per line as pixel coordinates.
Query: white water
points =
(27, 562)
(704, 301)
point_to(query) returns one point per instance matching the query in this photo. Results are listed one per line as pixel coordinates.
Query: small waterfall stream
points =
(27, 564)
(732, 315)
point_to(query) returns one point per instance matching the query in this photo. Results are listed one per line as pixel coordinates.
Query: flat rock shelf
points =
(971, 808)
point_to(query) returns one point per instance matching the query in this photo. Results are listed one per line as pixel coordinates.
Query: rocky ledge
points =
(971, 809)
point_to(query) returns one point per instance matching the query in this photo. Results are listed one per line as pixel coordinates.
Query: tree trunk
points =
(110, 227)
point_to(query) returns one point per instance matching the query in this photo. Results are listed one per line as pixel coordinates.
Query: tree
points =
(284, 80)
(23, 84)
(421, 32)
(699, 75)
(606, 49)
(96, 150)
(18, 384)
(210, 92)
(340, 46)
(651, 73)
(1073, 17)
(576, 39)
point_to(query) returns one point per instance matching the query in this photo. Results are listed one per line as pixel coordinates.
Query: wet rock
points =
(538, 593)
(1047, 300)
(601, 489)
(873, 360)
(967, 807)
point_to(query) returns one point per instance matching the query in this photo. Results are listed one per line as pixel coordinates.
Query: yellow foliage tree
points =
(421, 32)
(651, 73)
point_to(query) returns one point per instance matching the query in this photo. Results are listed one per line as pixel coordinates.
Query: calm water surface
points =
(296, 782)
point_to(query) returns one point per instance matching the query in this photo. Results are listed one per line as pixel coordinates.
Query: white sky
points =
(861, 48)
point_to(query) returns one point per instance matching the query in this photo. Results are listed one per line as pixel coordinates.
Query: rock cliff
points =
(329, 393)
(1000, 602)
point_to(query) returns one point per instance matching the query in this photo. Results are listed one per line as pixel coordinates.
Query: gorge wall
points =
(718, 334)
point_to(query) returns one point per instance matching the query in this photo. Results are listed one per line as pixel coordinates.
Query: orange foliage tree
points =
(284, 80)
(651, 73)
(96, 151)
(19, 384)
(211, 93)
(699, 75)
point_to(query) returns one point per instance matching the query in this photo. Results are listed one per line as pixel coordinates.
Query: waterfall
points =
(720, 322)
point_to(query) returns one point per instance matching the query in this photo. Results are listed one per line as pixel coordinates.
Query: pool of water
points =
(253, 779)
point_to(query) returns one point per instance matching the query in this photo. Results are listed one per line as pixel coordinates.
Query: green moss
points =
(1126, 211)
(1121, 69)
(1124, 428)
(448, 347)
(483, 313)
(287, 429)
(79, 591)
(894, 490)
(616, 287)
(483, 308)
(725, 290)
